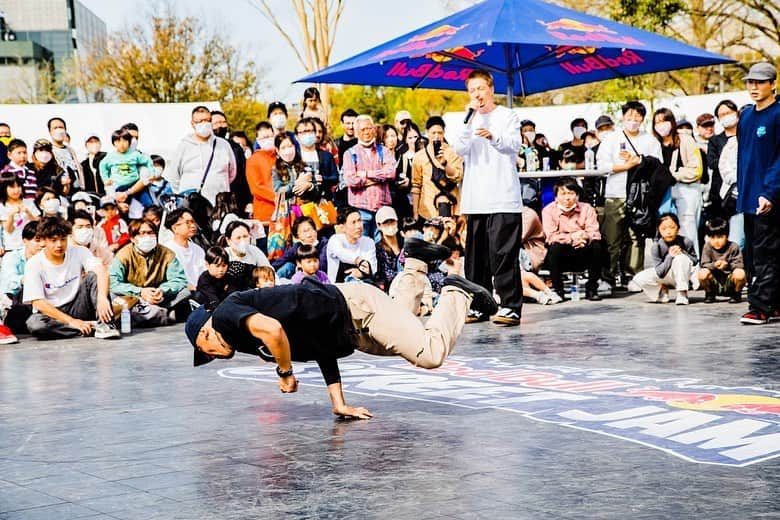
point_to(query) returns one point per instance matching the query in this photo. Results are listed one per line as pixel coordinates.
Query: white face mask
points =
(203, 129)
(266, 144)
(578, 131)
(729, 121)
(83, 236)
(158, 171)
(278, 121)
(240, 247)
(43, 156)
(51, 206)
(93, 148)
(389, 230)
(59, 134)
(565, 209)
(632, 126)
(367, 144)
(603, 134)
(663, 128)
(146, 243)
(530, 136)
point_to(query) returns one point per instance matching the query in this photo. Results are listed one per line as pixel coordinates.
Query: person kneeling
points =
(149, 279)
(573, 238)
(722, 269)
(67, 287)
(673, 259)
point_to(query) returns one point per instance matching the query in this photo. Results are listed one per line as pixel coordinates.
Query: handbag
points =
(439, 175)
(279, 229)
(323, 213)
(193, 199)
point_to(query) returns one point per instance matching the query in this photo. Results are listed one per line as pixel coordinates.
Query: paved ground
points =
(589, 410)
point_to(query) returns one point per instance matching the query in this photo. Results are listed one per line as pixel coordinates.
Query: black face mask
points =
(221, 132)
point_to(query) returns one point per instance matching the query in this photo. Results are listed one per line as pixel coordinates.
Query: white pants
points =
(687, 200)
(678, 276)
(737, 230)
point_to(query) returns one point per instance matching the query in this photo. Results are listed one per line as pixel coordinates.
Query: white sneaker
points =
(506, 316)
(633, 287)
(106, 331)
(554, 296)
(682, 298)
(663, 296)
(543, 298)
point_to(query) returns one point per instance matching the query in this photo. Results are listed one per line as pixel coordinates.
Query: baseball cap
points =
(385, 213)
(705, 119)
(107, 201)
(763, 71)
(402, 114)
(276, 104)
(81, 196)
(195, 322)
(603, 120)
(684, 123)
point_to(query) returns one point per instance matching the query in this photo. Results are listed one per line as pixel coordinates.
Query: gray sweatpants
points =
(82, 307)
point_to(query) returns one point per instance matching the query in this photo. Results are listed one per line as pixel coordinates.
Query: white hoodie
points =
(186, 168)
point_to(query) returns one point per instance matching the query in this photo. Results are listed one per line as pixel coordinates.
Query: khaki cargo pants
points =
(389, 328)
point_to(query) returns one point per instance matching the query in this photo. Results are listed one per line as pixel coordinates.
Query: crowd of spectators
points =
(87, 236)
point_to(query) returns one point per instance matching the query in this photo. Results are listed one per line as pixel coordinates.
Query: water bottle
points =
(531, 164)
(575, 292)
(590, 159)
(125, 319)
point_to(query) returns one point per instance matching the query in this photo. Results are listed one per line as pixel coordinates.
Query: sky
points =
(364, 24)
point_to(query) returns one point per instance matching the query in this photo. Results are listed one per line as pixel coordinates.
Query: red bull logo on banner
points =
(597, 62)
(697, 423)
(573, 31)
(427, 41)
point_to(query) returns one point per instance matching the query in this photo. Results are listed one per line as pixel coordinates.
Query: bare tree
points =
(317, 22)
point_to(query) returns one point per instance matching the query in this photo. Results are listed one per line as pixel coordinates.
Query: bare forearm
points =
(51, 311)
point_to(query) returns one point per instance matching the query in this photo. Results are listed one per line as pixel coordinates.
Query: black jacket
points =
(92, 180)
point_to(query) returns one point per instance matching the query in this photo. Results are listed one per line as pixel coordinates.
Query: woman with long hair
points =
(291, 175)
(410, 143)
(683, 157)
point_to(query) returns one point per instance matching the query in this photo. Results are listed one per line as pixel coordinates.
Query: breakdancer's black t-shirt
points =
(314, 316)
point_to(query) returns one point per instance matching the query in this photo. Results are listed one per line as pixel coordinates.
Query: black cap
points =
(603, 120)
(273, 106)
(192, 328)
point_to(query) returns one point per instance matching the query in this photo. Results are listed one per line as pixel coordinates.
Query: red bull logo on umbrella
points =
(680, 417)
(419, 44)
(569, 30)
(456, 52)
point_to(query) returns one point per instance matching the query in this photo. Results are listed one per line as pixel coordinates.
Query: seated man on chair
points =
(573, 239)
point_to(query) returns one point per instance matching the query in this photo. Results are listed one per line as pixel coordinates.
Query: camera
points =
(436, 147)
(445, 209)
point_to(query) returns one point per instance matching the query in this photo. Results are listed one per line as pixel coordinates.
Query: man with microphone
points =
(491, 198)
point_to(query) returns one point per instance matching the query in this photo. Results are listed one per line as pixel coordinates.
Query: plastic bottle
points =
(590, 159)
(531, 162)
(125, 319)
(575, 292)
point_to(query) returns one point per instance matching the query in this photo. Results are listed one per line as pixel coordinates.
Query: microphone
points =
(469, 114)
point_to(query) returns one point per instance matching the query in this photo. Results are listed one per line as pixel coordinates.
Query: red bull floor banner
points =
(682, 417)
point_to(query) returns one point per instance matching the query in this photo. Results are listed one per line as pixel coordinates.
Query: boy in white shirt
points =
(619, 152)
(67, 303)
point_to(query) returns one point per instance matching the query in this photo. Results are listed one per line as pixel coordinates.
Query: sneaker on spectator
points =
(737, 298)
(632, 286)
(554, 296)
(709, 297)
(106, 331)
(682, 298)
(542, 298)
(6, 336)
(506, 316)
(754, 318)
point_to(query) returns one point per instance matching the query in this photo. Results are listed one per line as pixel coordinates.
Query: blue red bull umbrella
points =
(530, 46)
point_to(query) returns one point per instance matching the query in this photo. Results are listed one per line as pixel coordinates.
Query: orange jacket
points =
(258, 175)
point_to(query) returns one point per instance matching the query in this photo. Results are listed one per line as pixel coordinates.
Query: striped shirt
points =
(28, 177)
(367, 173)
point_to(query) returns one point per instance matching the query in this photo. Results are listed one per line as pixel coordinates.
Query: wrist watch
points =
(286, 373)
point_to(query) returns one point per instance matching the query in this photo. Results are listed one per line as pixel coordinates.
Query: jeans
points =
(687, 200)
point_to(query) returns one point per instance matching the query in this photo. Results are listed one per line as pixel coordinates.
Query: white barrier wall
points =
(553, 121)
(161, 125)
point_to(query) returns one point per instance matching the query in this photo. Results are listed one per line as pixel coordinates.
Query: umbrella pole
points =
(509, 87)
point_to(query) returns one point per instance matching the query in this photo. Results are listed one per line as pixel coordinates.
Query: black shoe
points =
(735, 297)
(482, 301)
(593, 296)
(425, 251)
(709, 297)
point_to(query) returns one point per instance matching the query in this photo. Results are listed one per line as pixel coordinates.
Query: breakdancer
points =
(322, 323)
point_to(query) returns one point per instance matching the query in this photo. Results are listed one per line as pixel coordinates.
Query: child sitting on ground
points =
(264, 276)
(213, 286)
(673, 258)
(722, 269)
(307, 260)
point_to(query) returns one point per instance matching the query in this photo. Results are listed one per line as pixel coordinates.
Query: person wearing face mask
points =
(46, 168)
(48, 202)
(259, 168)
(620, 151)
(727, 113)
(5, 138)
(291, 176)
(91, 165)
(239, 185)
(277, 116)
(578, 128)
(159, 188)
(65, 155)
(121, 170)
(368, 170)
(321, 162)
(388, 249)
(202, 162)
(681, 155)
(84, 235)
(148, 278)
(573, 238)
(237, 243)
